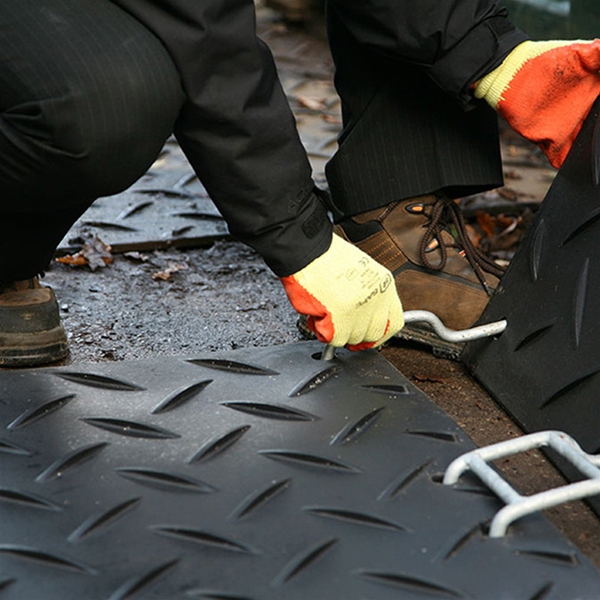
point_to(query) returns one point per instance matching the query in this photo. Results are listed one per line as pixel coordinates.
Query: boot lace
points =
(446, 212)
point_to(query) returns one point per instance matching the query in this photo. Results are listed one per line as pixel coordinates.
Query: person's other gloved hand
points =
(545, 90)
(349, 298)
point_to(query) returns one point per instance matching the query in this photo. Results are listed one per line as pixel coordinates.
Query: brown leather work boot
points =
(31, 333)
(432, 271)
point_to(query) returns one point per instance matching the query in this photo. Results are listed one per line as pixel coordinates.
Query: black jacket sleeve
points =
(237, 129)
(454, 41)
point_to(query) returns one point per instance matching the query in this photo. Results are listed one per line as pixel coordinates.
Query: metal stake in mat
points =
(443, 332)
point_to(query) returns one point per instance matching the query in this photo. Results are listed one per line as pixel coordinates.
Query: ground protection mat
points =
(259, 473)
(167, 207)
(545, 368)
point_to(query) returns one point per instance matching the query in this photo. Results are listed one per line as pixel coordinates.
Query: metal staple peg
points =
(328, 352)
(443, 332)
(518, 506)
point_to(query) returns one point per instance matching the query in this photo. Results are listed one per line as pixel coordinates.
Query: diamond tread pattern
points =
(167, 208)
(545, 368)
(254, 474)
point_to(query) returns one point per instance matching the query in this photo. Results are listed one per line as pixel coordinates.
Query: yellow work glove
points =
(349, 298)
(545, 90)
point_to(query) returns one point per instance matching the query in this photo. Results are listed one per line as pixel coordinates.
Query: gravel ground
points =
(219, 298)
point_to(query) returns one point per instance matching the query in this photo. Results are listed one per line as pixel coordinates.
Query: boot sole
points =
(33, 349)
(422, 336)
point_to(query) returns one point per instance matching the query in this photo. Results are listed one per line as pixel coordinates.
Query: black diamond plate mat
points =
(252, 474)
(545, 368)
(167, 207)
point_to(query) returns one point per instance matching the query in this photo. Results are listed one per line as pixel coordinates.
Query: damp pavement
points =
(187, 288)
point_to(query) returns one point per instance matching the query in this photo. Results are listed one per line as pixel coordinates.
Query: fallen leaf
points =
(473, 235)
(94, 253)
(166, 274)
(332, 120)
(486, 222)
(74, 260)
(135, 255)
(512, 174)
(312, 103)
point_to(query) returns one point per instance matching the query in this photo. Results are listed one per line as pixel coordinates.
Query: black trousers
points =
(87, 100)
(89, 89)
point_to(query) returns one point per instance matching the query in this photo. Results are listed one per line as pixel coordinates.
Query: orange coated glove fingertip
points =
(312, 324)
(361, 346)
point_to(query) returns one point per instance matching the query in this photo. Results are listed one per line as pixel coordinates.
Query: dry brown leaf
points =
(94, 253)
(474, 236)
(166, 274)
(332, 120)
(512, 174)
(74, 260)
(317, 104)
(486, 222)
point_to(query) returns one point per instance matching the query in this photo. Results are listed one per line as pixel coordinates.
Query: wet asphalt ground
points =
(171, 301)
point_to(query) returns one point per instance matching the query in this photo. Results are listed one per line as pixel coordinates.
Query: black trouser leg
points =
(87, 98)
(403, 134)
(28, 240)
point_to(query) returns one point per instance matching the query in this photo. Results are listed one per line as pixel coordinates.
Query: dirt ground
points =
(223, 297)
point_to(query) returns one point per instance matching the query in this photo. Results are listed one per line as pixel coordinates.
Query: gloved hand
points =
(545, 90)
(350, 299)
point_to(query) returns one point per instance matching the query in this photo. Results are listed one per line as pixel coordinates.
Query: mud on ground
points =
(174, 302)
